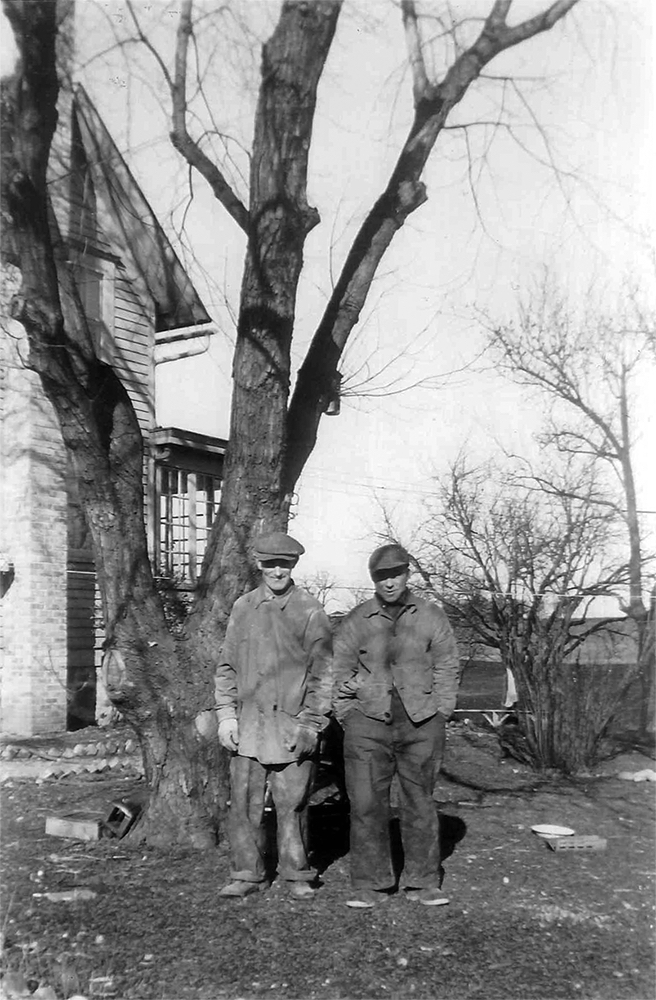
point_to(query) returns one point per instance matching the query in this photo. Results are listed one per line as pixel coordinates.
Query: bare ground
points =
(524, 922)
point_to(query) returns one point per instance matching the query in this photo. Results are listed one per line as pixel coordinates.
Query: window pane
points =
(174, 524)
(207, 504)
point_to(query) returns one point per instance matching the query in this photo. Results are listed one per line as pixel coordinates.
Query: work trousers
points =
(374, 751)
(246, 832)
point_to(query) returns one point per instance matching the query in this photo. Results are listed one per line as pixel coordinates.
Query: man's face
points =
(391, 583)
(276, 573)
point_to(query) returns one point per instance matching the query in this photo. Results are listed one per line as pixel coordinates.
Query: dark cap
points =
(388, 557)
(277, 545)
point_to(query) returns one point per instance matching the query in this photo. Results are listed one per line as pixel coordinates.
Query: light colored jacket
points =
(416, 653)
(274, 672)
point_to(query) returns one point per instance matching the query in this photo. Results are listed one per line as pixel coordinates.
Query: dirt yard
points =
(524, 922)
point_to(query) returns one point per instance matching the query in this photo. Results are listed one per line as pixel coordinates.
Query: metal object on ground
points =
(120, 819)
(548, 830)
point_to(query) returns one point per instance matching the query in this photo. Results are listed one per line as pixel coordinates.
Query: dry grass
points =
(524, 922)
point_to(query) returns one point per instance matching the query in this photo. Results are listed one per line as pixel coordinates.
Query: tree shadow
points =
(329, 836)
(452, 830)
(328, 814)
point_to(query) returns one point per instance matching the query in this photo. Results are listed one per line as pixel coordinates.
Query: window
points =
(188, 504)
(94, 278)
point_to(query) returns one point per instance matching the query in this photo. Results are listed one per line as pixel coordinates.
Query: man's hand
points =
(303, 743)
(229, 734)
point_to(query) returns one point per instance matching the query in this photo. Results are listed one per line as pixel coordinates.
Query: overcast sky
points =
(488, 229)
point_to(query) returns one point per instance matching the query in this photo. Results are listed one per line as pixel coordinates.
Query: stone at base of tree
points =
(14, 984)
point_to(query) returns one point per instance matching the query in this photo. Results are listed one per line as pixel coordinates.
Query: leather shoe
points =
(301, 890)
(366, 899)
(238, 890)
(427, 897)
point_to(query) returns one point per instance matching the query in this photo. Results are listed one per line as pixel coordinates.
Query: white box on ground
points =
(80, 825)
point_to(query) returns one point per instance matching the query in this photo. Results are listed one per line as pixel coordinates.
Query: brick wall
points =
(33, 521)
(33, 540)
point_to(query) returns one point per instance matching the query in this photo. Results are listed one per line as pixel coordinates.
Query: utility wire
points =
(330, 486)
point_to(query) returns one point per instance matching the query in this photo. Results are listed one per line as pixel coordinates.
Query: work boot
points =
(428, 897)
(366, 899)
(301, 890)
(239, 889)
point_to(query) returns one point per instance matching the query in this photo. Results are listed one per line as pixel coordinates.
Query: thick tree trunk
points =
(255, 495)
(186, 772)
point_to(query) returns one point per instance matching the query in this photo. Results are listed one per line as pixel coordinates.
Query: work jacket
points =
(274, 671)
(378, 649)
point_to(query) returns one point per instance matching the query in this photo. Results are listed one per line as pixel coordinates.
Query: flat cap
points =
(388, 557)
(277, 545)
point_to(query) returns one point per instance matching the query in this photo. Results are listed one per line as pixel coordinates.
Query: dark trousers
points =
(374, 751)
(246, 832)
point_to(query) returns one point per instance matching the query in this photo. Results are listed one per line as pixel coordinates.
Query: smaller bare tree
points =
(585, 364)
(517, 570)
(320, 584)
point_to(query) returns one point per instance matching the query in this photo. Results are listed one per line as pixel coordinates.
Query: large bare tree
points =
(161, 679)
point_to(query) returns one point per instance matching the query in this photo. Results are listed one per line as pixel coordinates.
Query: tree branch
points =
(180, 137)
(508, 37)
(403, 195)
(420, 84)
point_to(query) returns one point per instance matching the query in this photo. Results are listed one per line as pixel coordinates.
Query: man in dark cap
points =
(396, 675)
(272, 689)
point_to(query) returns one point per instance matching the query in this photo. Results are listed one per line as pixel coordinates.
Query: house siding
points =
(134, 336)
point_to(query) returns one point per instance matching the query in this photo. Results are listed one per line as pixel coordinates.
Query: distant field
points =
(482, 686)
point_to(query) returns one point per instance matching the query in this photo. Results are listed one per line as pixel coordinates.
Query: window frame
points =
(180, 559)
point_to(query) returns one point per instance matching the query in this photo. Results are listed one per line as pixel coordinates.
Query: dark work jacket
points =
(416, 654)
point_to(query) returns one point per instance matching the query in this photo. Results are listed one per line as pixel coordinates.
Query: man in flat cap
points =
(396, 675)
(272, 689)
